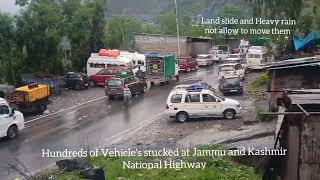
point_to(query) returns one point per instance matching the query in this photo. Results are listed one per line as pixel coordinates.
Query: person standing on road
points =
(126, 96)
(139, 74)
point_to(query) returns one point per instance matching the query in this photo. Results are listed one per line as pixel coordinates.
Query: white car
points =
(231, 69)
(204, 60)
(185, 103)
(220, 55)
(237, 58)
(11, 121)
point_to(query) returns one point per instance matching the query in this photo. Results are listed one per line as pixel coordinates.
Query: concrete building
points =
(189, 46)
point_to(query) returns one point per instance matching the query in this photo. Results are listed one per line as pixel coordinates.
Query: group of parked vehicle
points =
(200, 100)
(124, 73)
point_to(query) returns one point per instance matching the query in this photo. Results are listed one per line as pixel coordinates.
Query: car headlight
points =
(238, 106)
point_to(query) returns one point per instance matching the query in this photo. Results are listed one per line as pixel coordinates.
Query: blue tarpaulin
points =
(310, 40)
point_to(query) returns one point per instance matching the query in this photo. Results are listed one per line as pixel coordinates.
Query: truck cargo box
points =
(160, 66)
(32, 93)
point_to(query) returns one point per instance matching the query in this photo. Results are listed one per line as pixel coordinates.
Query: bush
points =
(259, 84)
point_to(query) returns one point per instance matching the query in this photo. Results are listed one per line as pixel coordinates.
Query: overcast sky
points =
(8, 6)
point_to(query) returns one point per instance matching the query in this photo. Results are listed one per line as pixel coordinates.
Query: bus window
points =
(99, 65)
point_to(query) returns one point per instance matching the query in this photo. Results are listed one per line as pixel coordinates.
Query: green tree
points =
(9, 56)
(120, 31)
(38, 34)
(168, 24)
(278, 8)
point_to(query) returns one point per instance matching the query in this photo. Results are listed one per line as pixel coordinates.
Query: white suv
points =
(11, 121)
(184, 103)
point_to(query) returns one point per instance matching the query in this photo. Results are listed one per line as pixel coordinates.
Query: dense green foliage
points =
(56, 36)
(50, 36)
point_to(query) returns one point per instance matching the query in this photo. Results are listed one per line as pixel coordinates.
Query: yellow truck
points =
(32, 98)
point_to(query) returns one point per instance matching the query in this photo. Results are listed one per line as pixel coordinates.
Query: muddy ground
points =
(166, 132)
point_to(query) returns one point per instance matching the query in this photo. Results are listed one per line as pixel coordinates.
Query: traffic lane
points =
(70, 98)
(85, 126)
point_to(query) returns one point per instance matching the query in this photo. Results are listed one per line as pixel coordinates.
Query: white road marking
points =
(71, 112)
(63, 110)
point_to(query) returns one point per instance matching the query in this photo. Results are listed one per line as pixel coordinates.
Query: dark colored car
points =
(102, 76)
(187, 64)
(114, 86)
(231, 84)
(76, 80)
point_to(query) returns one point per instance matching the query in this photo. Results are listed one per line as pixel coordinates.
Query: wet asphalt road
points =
(87, 125)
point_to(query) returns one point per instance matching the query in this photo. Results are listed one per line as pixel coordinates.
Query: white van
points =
(257, 57)
(219, 55)
(96, 63)
(137, 58)
(11, 121)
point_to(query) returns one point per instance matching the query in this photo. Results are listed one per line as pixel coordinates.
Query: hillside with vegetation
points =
(59, 36)
(149, 10)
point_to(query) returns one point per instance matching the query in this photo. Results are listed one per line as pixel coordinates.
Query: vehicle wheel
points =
(78, 87)
(152, 84)
(42, 108)
(144, 89)
(229, 114)
(12, 132)
(177, 77)
(111, 97)
(91, 84)
(182, 117)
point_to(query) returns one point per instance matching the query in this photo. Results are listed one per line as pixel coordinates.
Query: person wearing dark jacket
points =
(139, 74)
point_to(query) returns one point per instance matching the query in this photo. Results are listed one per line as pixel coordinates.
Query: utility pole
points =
(177, 21)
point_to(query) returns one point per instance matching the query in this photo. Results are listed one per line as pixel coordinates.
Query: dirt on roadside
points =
(165, 132)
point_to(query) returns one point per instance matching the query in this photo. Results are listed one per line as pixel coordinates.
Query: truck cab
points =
(11, 121)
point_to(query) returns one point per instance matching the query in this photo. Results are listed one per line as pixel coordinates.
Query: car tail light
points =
(126, 86)
(167, 106)
(241, 84)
